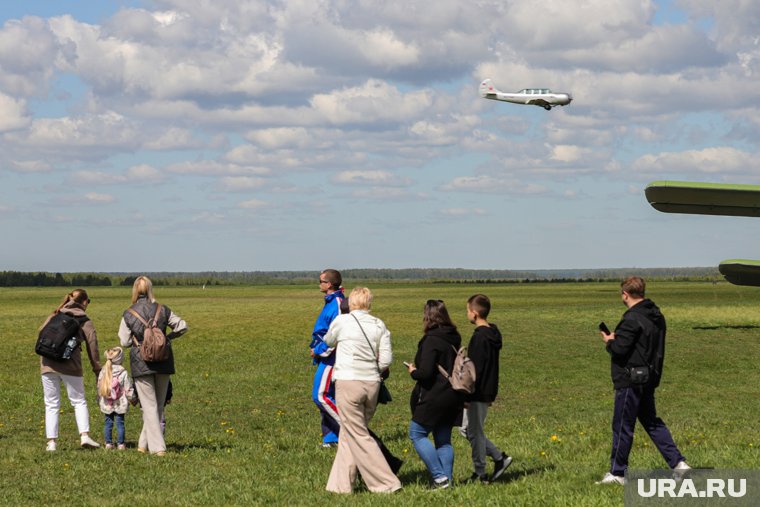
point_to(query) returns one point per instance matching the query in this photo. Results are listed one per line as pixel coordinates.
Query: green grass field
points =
(242, 429)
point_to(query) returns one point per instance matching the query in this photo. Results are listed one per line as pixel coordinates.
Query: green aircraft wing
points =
(704, 198)
(712, 199)
(741, 271)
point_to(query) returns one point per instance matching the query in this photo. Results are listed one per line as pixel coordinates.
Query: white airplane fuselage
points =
(542, 97)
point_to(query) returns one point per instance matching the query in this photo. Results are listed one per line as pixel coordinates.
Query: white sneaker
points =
(612, 479)
(50, 446)
(88, 443)
(682, 466)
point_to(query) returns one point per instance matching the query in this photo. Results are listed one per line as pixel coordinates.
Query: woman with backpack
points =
(436, 406)
(69, 369)
(143, 329)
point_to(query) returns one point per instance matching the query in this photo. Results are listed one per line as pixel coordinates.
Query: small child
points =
(483, 350)
(115, 390)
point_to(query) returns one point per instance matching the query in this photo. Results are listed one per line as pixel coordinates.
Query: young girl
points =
(115, 390)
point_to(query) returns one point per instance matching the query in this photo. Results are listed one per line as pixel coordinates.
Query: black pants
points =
(633, 403)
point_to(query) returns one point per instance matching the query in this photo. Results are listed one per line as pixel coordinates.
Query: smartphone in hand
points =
(603, 328)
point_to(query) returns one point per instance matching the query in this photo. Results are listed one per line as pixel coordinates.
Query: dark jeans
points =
(633, 403)
(119, 427)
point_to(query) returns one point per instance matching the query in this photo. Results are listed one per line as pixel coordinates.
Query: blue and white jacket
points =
(323, 353)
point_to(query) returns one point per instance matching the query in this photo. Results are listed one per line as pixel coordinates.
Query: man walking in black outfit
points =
(637, 350)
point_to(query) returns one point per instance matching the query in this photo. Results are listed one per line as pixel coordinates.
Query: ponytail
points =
(106, 377)
(78, 296)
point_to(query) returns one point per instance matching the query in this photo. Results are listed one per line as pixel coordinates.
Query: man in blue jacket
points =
(323, 392)
(637, 350)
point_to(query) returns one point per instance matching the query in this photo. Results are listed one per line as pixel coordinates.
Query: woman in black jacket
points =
(436, 407)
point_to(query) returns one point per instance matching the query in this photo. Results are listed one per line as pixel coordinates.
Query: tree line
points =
(418, 275)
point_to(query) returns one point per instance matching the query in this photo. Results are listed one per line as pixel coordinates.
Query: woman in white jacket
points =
(363, 352)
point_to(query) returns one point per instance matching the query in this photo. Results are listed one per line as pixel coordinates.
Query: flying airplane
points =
(712, 199)
(532, 96)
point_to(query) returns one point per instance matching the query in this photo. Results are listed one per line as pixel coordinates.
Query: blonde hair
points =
(104, 384)
(142, 287)
(360, 299)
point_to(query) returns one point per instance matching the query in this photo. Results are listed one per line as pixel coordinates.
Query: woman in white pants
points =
(70, 372)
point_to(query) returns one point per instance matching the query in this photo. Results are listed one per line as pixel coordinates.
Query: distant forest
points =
(430, 275)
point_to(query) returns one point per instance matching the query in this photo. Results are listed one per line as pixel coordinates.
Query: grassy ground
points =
(242, 429)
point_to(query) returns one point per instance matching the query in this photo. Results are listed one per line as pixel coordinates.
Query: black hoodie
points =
(483, 350)
(639, 341)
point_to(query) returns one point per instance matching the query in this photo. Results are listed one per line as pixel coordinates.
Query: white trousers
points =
(51, 389)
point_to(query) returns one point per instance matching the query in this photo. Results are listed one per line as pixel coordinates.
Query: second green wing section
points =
(741, 271)
(704, 198)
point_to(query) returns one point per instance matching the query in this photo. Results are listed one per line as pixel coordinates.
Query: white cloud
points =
(283, 137)
(715, 160)
(372, 178)
(142, 173)
(389, 194)
(29, 56)
(462, 212)
(567, 153)
(381, 47)
(241, 183)
(13, 114)
(173, 139)
(492, 185)
(96, 198)
(253, 204)
(30, 166)
(215, 168)
(371, 102)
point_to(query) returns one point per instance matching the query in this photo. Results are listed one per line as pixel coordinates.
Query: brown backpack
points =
(155, 346)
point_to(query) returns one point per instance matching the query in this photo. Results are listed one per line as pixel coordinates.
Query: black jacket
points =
(483, 350)
(147, 310)
(433, 401)
(639, 341)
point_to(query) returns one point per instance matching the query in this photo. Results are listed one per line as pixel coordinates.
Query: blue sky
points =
(247, 135)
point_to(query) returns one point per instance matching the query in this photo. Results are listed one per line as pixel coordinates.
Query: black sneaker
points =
(500, 466)
(477, 479)
(443, 484)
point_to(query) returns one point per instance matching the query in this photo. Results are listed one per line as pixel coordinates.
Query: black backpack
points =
(58, 338)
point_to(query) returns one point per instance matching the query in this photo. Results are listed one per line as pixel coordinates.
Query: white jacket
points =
(354, 359)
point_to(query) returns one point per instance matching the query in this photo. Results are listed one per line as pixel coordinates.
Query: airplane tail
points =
(487, 89)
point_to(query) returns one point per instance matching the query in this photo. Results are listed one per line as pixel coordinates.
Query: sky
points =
(235, 135)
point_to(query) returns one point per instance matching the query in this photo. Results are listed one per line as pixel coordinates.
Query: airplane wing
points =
(741, 272)
(704, 198)
(538, 102)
